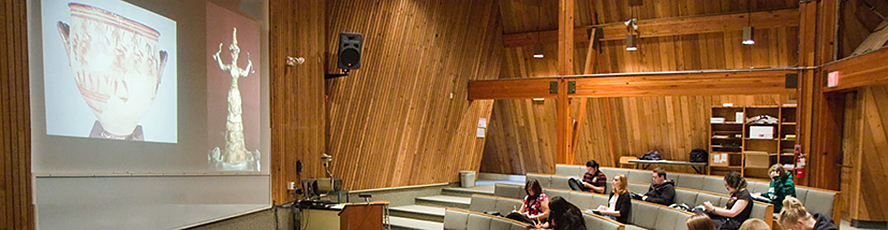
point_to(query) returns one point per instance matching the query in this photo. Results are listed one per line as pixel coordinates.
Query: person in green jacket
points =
(781, 186)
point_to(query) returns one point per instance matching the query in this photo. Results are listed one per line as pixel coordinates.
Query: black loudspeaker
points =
(350, 50)
(792, 81)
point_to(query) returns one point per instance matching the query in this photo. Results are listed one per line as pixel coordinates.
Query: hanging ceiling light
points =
(747, 35)
(538, 47)
(538, 50)
(748, 30)
(631, 42)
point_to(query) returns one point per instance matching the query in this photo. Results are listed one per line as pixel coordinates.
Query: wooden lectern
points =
(362, 215)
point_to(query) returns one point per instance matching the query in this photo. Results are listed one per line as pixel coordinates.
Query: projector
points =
(324, 185)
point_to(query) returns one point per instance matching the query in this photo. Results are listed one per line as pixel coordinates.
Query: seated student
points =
(662, 190)
(754, 224)
(535, 208)
(700, 222)
(781, 186)
(619, 204)
(795, 217)
(593, 180)
(565, 216)
(738, 208)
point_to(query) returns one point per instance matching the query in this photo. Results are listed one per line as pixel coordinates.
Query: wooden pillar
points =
(565, 67)
(16, 206)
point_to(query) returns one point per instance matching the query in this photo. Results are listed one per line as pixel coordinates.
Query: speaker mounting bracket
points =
(336, 75)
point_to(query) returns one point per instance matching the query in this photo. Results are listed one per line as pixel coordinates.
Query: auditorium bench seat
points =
(644, 215)
(460, 219)
(825, 202)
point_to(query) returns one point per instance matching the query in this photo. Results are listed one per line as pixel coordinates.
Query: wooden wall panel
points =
(297, 93)
(868, 201)
(522, 140)
(393, 122)
(520, 131)
(16, 210)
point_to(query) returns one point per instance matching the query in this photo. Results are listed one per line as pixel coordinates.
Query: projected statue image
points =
(235, 154)
(117, 65)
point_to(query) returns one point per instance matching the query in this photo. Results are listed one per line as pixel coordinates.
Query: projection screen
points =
(148, 114)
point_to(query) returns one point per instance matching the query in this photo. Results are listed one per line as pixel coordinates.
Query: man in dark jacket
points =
(662, 191)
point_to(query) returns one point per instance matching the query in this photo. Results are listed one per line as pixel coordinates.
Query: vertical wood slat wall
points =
(393, 122)
(297, 29)
(865, 142)
(522, 133)
(15, 131)
(522, 140)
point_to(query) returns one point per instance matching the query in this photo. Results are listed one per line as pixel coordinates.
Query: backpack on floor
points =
(699, 155)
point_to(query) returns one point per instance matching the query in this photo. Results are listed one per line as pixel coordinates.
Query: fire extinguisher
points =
(800, 162)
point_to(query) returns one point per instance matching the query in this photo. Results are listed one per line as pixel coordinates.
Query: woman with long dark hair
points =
(738, 208)
(564, 216)
(535, 209)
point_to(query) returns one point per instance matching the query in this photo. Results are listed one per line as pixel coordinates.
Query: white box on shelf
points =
(761, 132)
(738, 117)
(717, 120)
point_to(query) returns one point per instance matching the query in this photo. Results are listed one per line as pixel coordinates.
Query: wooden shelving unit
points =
(731, 148)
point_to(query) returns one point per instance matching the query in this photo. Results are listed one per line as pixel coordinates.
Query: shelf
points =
(784, 139)
(727, 123)
(729, 167)
(760, 139)
(757, 167)
(726, 138)
(731, 153)
(788, 123)
(727, 147)
(761, 124)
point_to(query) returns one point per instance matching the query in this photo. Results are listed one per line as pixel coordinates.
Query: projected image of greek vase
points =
(235, 155)
(117, 67)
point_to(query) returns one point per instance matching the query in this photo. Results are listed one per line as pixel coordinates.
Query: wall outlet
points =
(291, 186)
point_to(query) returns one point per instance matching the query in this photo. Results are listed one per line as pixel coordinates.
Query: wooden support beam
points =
(684, 83)
(865, 70)
(519, 88)
(808, 87)
(716, 82)
(565, 67)
(667, 27)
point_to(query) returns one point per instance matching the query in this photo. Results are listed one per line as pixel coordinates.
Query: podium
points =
(348, 216)
(363, 215)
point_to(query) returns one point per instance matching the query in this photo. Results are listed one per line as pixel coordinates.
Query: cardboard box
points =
(719, 159)
(761, 132)
(756, 159)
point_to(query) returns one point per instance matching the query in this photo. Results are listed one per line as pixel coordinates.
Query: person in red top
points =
(535, 209)
(593, 180)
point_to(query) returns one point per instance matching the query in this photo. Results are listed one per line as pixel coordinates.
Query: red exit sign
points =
(832, 79)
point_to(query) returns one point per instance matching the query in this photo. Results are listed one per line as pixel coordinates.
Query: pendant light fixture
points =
(748, 30)
(538, 47)
(632, 27)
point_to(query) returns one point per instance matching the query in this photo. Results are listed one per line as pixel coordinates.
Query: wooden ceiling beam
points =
(717, 82)
(666, 27)
(685, 83)
(865, 70)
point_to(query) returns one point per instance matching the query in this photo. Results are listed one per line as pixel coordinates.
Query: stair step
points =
(408, 223)
(468, 192)
(445, 201)
(422, 212)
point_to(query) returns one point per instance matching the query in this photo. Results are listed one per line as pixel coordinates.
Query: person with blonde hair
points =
(795, 217)
(700, 222)
(754, 224)
(781, 186)
(738, 208)
(619, 202)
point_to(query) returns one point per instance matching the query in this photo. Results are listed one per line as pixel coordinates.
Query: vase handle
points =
(64, 32)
